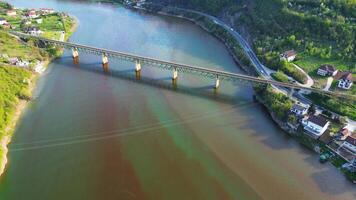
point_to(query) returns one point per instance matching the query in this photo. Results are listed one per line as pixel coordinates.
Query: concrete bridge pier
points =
(217, 83)
(175, 77)
(75, 55)
(105, 62)
(138, 69)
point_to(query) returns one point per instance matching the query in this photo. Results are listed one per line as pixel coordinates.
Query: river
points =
(90, 135)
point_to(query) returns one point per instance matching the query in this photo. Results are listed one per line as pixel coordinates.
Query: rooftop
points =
(347, 76)
(351, 140)
(298, 107)
(290, 53)
(318, 120)
(327, 67)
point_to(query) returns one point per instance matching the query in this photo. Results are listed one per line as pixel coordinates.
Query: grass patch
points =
(279, 76)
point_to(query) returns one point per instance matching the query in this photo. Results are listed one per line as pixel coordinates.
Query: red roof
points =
(290, 53)
(347, 76)
(328, 68)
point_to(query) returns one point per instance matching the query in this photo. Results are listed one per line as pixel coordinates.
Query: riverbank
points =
(20, 100)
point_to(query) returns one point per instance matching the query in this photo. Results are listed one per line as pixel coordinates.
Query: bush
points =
(279, 103)
(280, 76)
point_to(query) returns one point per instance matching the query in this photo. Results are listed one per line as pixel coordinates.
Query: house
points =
(3, 21)
(350, 144)
(33, 31)
(11, 13)
(31, 14)
(289, 55)
(346, 80)
(27, 22)
(316, 125)
(23, 63)
(6, 25)
(327, 70)
(39, 21)
(13, 61)
(344, 133)
(46, 11)
(299, 110)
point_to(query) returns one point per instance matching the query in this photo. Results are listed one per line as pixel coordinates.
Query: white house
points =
(289, 55)
(327, 70)
(349, 144)
(13, 61)
(3, 21)
(299, 110)
(11, 13)
(46, 11)
(39, 21)
(34, 31)
(23, 63)
(346, 80)
(32, 14)
(316, 125)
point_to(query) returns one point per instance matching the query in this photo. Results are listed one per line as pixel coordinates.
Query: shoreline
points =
(23, 104)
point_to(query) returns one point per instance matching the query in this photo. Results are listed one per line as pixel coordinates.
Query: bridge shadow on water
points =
(165, 83)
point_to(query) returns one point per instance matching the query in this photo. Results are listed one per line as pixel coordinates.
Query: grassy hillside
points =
(14, 85)
(10, 46)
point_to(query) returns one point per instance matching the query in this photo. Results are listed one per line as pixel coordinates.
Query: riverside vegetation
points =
(16, 81)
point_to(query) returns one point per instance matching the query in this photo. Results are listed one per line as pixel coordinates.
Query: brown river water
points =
(91, 135)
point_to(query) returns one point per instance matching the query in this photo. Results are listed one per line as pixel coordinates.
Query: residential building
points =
(23, 63)
(289, 55)
(6, 25)
(299, 110)
(13, 61)
(32, 14)
(344, 133)
(350, 144)
(316, 125)
(46, 11)
(3, 21)
(11, 13)
(327, 70)
(33, 31)
(346, 80)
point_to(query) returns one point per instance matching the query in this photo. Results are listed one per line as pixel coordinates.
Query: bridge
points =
(176, 68)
